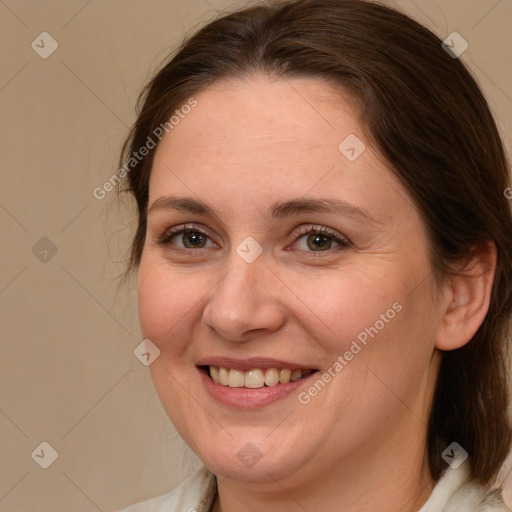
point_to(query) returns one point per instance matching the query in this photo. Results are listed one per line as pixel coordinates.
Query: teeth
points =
(296, 375)
(257, 377)
(284, 376)
(214, 372)
(236, 379)
(271, 377)
(254, 379)
(223, 376)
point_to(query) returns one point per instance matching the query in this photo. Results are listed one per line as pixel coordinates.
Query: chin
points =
(256, 458)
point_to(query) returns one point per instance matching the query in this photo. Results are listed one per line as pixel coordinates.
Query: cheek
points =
(165, 302)
(338, 307)
(376, 324)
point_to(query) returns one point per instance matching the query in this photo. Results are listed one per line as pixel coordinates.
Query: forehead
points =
(266, 139)
(259, 125)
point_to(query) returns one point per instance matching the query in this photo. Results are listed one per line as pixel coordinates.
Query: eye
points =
(319, 239)
(186, 237)
(312, 239)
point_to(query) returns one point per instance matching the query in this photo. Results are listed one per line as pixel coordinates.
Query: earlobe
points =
(468, 296)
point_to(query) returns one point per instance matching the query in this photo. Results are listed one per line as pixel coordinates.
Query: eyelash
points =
(165, 239)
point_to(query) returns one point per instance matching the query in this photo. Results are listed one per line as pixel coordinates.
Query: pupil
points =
(318, 239)
(194, 238)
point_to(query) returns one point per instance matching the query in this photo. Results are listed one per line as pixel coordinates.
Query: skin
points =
(359, 444)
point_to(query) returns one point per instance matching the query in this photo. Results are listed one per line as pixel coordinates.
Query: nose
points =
(245, 304)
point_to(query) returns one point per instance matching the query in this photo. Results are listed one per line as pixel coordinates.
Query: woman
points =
(324, 264)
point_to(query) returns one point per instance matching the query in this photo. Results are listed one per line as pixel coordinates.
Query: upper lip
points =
(251, 363)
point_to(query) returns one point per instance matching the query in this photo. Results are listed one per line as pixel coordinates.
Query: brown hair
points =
(428, 118)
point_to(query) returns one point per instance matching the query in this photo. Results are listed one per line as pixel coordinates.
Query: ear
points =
(467, 298)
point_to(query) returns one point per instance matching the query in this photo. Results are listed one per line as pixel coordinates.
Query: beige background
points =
(68, 375)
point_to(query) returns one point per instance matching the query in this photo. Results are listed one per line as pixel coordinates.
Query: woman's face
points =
(303, 252)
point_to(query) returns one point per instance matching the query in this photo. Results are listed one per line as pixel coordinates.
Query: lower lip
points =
(248, 398)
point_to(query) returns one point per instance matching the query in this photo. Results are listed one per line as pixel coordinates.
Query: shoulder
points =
(195, 494)
(454, 492)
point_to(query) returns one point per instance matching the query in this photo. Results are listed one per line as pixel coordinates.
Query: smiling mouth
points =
(256, 377)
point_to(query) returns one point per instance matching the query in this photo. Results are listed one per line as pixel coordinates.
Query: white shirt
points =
(452, 493)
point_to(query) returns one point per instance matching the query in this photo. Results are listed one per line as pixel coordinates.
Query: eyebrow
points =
(278, 210)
